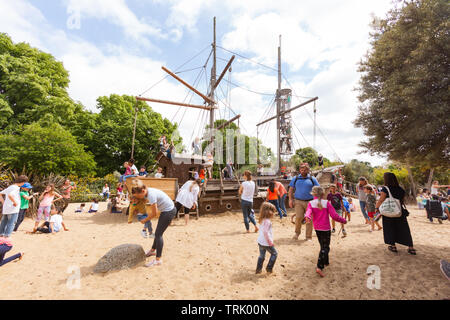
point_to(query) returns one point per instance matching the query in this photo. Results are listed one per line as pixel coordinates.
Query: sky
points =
(119, 47)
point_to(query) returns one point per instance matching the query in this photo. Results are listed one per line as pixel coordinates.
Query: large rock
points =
(121, 257)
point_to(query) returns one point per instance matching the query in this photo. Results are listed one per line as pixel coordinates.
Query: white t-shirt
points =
(8, 207)
(94, 206)
(105, 190)
(434, 190)
(158, 175)
(57, 222)
(162, 200)
(134, 170)
(248, 190)
(187, 197)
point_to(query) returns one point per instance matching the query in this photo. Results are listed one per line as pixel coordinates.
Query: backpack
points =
(296, 178)
(335, 202)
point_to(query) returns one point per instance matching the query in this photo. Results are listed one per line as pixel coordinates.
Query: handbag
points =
(391, 207)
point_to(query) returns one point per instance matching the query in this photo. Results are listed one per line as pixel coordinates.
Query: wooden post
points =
(189, 86)
(279, 107)
(174, 103)
(134, 130)
(224, 71)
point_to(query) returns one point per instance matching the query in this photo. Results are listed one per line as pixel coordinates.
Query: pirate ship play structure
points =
(220, 195)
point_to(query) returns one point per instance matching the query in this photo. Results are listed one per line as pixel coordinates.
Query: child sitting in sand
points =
(55, 224)
(138, 206)
(112, 206)
(370, 205)
(320, 211)
(94, 206)
(265, 237)
(80, 208)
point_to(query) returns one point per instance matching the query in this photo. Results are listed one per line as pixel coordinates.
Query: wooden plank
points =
(174, 103)
(189, 86)
(168, 185)
(287, 111)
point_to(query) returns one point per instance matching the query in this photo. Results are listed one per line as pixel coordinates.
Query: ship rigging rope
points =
(176, 69)
(189, 92)
(320, 130)
(196, 81)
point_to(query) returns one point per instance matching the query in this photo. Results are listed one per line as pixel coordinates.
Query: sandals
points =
(412, 251)
(393, 249)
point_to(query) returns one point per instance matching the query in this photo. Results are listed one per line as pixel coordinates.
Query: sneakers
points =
(333, 231)
(258, 271)
(144, 233)
(153, 263)
(152, 235)
(344, 233)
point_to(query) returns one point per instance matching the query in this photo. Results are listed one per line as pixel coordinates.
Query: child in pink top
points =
(320, 211)
(265, 237)
(46, 201)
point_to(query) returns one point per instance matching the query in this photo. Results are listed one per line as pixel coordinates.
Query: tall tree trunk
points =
(430, 178)
(411, 179)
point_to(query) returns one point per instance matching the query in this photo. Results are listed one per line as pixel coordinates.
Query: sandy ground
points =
(213, 258)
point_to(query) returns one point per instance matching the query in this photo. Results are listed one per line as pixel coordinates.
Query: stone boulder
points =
(121, 257)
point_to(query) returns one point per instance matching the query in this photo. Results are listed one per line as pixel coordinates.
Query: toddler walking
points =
(370, 205)
(265, 237)
(320, 211)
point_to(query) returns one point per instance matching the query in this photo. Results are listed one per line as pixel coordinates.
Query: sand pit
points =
(213, 258)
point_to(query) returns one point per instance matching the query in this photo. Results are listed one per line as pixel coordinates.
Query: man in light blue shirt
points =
(300, 189)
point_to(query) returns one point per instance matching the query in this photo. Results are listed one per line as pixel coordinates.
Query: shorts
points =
(46, 211)
(339, 212)
(371, 214)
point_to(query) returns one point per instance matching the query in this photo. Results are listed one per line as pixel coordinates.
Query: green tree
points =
(32, 84)
(44, 150)
(355, 169)
(109, 134)
(404, 85)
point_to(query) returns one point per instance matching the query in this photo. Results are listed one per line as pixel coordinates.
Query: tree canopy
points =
(108, 134)
(46, 149)
(404, 84)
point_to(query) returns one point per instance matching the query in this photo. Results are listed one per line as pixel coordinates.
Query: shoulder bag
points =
(391, 207)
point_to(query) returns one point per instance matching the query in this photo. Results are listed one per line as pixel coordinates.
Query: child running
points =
(320, 211)
(46, 199)
(265, 237)
(370, 205)
(24, 204)
(273, 194)
(335, 199)
(5, 246)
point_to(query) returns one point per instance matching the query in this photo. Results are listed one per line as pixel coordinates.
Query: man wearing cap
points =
(24, 203)
(300, 189)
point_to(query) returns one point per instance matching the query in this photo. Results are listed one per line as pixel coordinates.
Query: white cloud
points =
(116, 12)
(327, 36)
